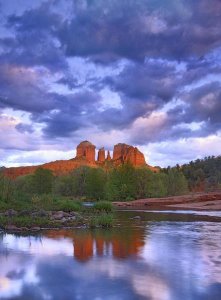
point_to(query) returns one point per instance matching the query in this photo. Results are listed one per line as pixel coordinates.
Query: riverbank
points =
(197, 201)
(100, 215)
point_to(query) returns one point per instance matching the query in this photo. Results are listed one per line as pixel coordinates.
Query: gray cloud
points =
(167, 50)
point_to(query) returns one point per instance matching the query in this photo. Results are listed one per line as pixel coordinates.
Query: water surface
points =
(162, 256)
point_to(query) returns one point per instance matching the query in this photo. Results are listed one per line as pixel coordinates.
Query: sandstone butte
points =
(85, 156)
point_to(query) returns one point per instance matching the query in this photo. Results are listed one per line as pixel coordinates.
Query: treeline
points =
(118, 184)
(203, 174)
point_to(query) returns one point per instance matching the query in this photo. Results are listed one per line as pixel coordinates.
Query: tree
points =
(121, 183)
(64, 186)
(6, 188)
(177, 183)
(42, 181)
(95, 184)
(144, 178)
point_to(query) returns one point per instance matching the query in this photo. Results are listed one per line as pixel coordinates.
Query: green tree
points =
(144, 179)
(177, 183)
(158, 185)
(42, 181)
(64, 185)
(6, 188)
(121, 183)
(79, 177)
(95, 184)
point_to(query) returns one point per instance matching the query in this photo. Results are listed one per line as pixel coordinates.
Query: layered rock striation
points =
(86, 156)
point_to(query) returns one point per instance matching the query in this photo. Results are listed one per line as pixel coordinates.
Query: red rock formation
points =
(126, 153)
(101, 155)
(86, 150)
(108, 156)
(135, 157)
(86, 157)
(120, 151)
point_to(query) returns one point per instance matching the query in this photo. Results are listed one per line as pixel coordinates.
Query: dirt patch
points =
(197, 201)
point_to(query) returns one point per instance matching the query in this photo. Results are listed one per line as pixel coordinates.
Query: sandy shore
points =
(197, 201)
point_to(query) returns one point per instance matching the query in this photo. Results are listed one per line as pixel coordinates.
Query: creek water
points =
(159, 256)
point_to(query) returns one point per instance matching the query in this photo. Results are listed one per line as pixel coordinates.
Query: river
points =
(159, 256)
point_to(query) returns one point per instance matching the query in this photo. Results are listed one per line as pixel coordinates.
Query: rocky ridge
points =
(86, 156)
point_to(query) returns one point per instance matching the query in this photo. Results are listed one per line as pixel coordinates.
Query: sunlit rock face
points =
(101, 155)
(86, 150)
(85, 156)
(124, 153)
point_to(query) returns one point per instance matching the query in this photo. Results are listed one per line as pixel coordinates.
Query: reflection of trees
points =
(121, 243)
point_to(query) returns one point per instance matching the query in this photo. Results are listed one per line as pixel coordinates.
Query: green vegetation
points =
(104, 220)
(203, 174)
(37, 202)
(43, 190)
(37, 198)
(26, 221)
(103, 206)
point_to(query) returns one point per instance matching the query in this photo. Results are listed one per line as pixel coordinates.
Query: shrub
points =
(104, 220)
(103, 206)
(68, 205)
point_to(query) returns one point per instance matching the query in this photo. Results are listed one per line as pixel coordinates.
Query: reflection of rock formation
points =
(85, 156)
(120, 244)
(83, 247)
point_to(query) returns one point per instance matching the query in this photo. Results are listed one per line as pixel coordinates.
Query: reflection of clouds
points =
(34, 245)
(10, 284)
(211, 253)
(4, 283)
(151, 287)
(41, 269)
(174, 249)
(9, 288)
(146, 282)
(178, 261)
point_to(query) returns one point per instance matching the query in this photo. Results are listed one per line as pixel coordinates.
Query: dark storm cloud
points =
(204, 105)
(106, 30)
(19, 90)
(72, 113)
(165, 46)
(32, 42)
(143, 81)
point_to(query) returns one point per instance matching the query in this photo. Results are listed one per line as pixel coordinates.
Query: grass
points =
(42, 222)
(37, 202)
(104, 220)
(32, 211)
(25, 221)
(103, 206)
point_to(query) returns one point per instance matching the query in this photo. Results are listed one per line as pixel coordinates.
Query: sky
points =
(141, 72)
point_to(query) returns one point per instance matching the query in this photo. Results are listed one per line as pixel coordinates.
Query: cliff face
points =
(85, 156)
(125, 153)
(86, 150)
(101, 155)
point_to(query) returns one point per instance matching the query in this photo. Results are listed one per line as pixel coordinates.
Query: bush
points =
(103, 206)
(68, 205)
(104, 220)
